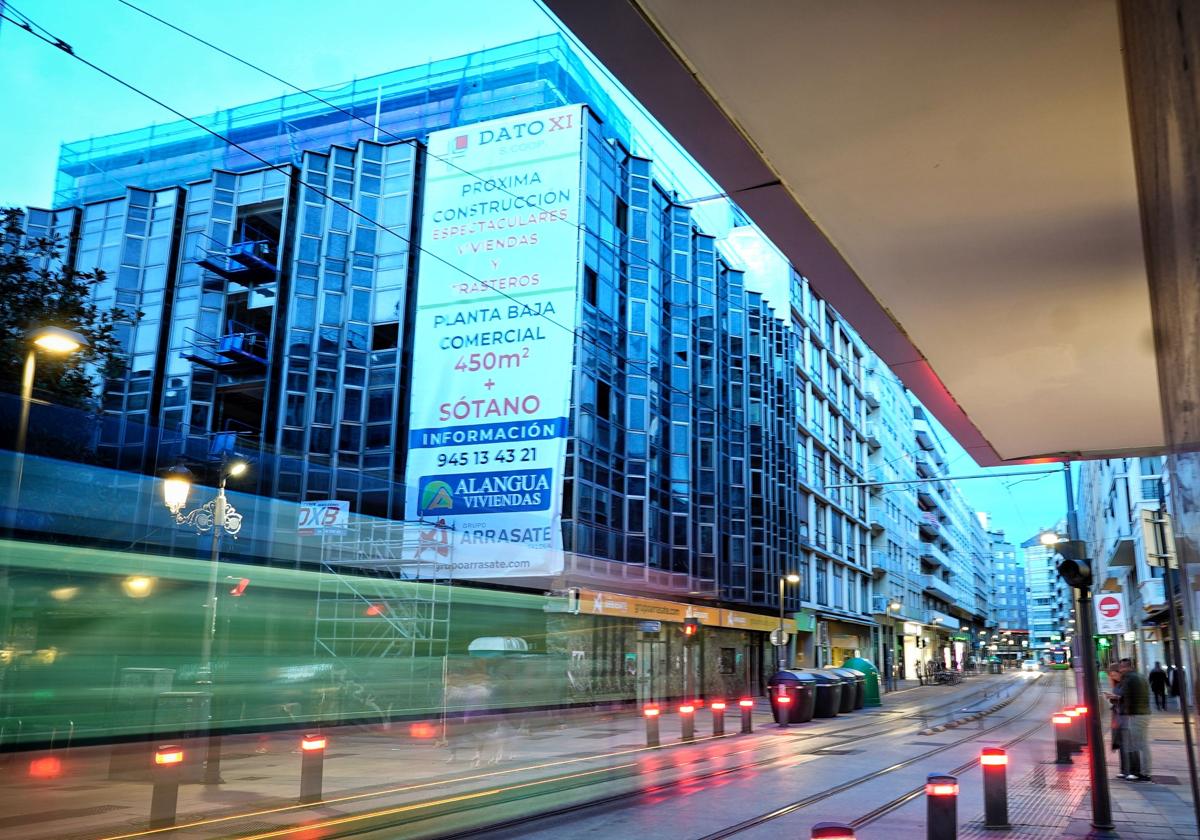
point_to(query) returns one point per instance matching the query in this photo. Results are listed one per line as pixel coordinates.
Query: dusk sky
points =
(314, 45)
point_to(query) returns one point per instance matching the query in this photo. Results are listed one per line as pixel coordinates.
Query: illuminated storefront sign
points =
(595, 602)
(493, 347)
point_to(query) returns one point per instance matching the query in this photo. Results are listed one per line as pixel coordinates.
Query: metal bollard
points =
(687, 720)
(785, 709)
(312, 767)
(1073, 730)
(747, 707)
(1062, 746)
(1083, 725)
(941, 807)
(164, 801)
(1081, 720)
(718, 716)
(994, 762)
(651, 713)
(831, 831)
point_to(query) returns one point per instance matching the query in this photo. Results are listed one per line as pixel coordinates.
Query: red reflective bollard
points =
(312, 767)
(747, 706)
(941, 807)
(718, 717)
(164, 799)
(994, 763)
(651, 714)
(687, 721)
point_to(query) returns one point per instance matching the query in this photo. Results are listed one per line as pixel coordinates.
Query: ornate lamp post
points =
(216, 516)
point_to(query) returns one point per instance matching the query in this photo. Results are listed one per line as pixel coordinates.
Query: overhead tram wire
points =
(288, 170)
(640, 262)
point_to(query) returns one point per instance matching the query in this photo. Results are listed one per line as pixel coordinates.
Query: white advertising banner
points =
(494, 348)
(1112, 613)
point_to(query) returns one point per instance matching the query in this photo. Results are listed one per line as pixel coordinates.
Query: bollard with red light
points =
(994, 762)
(1062, 743)
(831, 831)
(164, 800)
(1081, 720)
(783, 706)
(718, 716)
(312, 767)
(941, 807)
(1074, 730)
(651, 714)
(687, 720)
(747, 707)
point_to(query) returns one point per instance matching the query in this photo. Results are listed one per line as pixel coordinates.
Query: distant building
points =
(930, 550)
(1112, 495)
(1049, 600)
(1009, 595)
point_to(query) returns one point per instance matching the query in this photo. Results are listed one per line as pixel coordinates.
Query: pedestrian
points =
(1158, 684)
(1135, 722)
(1114, 699)
(1176, 678)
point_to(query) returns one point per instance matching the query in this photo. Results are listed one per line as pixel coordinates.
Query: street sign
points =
(330, 516)
(1111, 613)
(649, 626)
(779, 638)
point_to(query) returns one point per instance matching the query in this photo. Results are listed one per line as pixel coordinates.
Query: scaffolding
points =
(384, 590)
(383, 607)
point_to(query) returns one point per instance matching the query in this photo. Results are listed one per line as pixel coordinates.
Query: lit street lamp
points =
(54, 340)
(783, 639)
(217, 516)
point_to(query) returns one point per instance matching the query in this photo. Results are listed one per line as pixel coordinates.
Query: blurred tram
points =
(1057, 658)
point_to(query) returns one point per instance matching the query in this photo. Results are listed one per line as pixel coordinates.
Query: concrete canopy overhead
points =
(956, 177)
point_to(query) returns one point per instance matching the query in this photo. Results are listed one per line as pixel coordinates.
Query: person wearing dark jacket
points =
(1158, 684)
(1135, 722)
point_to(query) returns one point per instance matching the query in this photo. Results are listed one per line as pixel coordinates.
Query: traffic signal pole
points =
(1101, 798)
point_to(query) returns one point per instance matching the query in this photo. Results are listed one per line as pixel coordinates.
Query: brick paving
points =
(1054, 801)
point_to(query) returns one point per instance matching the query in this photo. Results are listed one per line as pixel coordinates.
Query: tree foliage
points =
(37, 290)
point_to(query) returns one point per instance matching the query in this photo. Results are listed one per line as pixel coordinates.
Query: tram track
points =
(562, 783)
(893, 804)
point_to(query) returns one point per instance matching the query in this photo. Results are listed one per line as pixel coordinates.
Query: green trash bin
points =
(871, 675)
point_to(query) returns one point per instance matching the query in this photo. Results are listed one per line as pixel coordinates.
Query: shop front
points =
(632, 648)
(841, 637)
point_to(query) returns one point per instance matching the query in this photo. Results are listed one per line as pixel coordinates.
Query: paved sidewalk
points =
(1054, 801)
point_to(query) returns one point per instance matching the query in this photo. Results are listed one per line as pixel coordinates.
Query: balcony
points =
(240, 349)
(934, 585)
(926, 495)
(873, 442)
(934, 556)
(871, 399)
(924, 464)
(249, 263)
(929, 525)
(1123, 552)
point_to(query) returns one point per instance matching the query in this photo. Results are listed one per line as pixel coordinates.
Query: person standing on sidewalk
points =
(1158, 684)
(1135, 722)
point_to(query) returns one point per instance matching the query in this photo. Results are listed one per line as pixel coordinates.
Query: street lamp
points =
(217, 516)
(792, 578)
(54, 340)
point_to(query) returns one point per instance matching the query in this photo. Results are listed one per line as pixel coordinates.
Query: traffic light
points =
(691, 628)
(1076, 572)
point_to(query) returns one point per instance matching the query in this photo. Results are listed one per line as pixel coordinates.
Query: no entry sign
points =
(1111, 615)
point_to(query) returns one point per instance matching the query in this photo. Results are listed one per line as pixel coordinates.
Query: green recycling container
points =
(871, 674)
